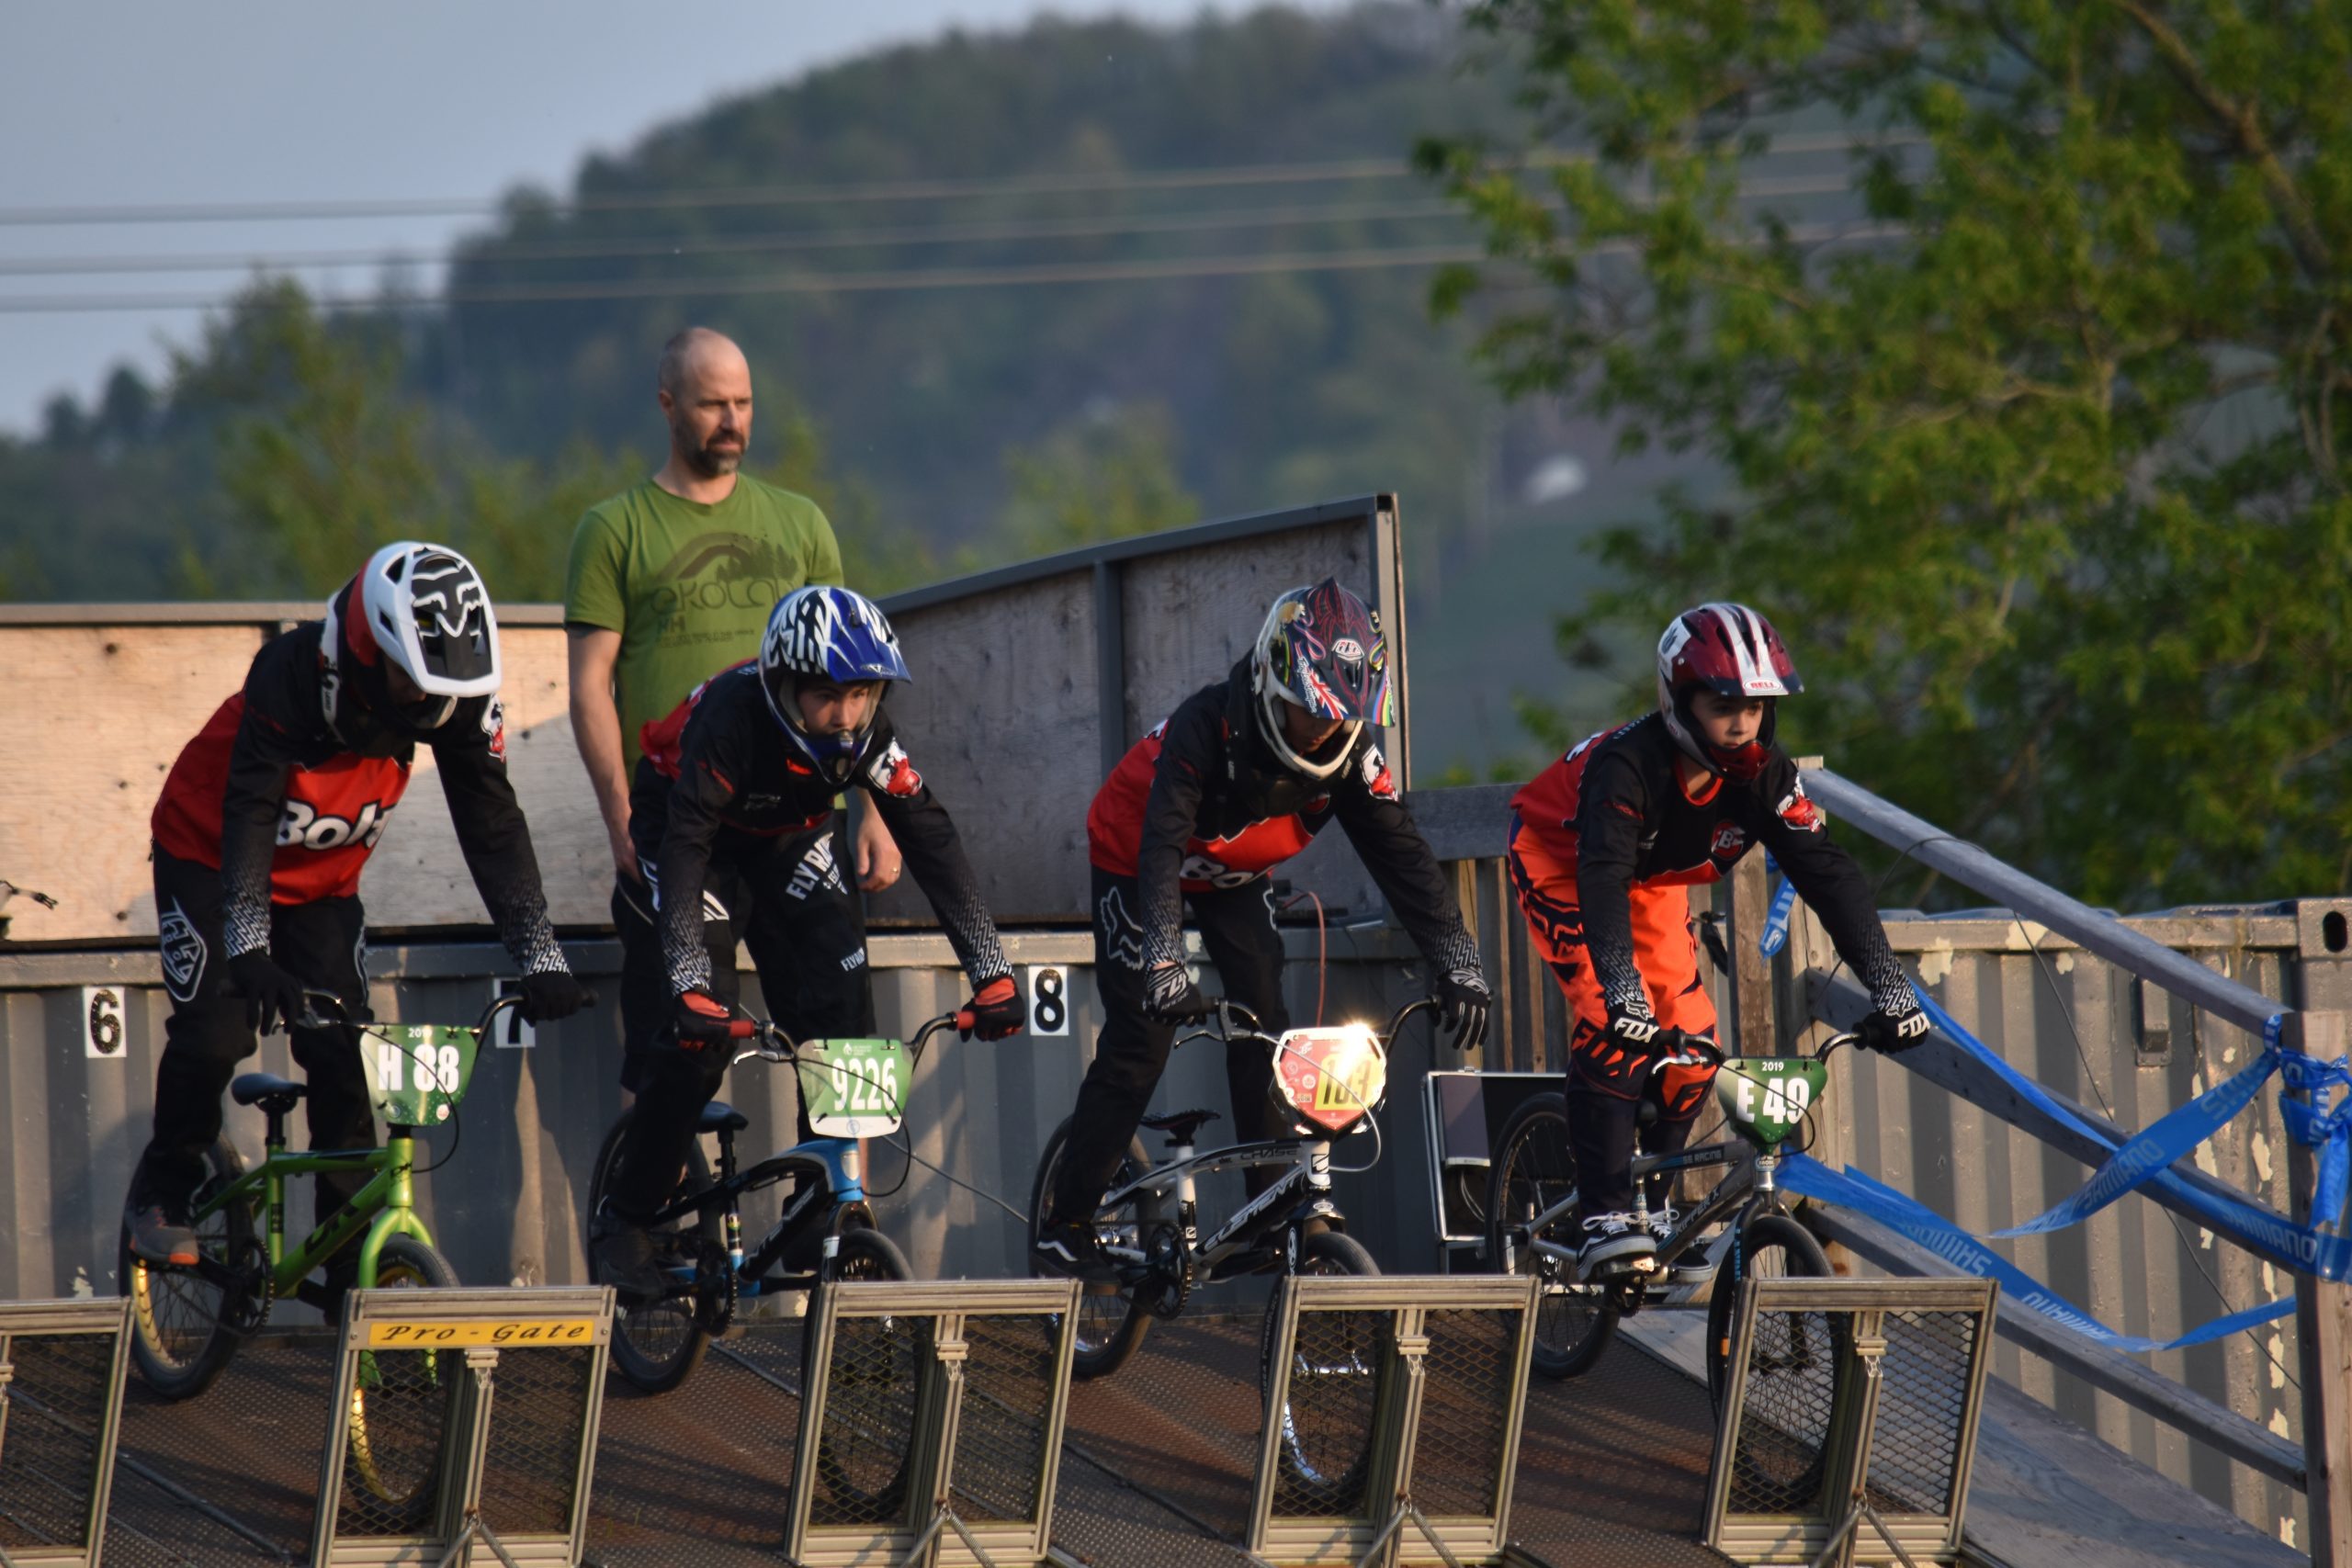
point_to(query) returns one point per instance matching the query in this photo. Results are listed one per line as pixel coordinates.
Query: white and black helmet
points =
(421, 609)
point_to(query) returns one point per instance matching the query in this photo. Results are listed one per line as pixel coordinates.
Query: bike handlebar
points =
(312, 1018)
(1224, 1015)
(776, 1045)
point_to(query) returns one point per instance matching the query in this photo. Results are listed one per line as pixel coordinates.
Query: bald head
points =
(695, 352)
(704, 384)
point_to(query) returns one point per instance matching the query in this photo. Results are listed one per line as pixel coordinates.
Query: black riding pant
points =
(1236, 927)
(790, 900)
(322, 943)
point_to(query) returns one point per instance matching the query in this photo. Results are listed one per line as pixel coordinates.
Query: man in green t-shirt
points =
(671, 582)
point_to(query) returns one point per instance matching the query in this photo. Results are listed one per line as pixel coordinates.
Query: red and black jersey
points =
(1615, 809)
(719, 762)
(288, 801)
(1201, 803)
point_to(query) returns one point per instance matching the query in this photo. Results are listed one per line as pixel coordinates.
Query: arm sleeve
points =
(1833, 887)
(494, 837)
(927, 837)
(591, 578)
(1391, 846)
(1612, 806)
(706, 784)
(250, 807)
(1188, 750)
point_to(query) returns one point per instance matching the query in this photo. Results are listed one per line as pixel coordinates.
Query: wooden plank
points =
(1470, 822)
(1751, 975)
(2323, 1338)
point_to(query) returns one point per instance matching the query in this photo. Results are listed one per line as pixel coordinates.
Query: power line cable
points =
(848, 192)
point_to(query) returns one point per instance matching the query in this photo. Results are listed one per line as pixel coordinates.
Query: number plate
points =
(416, 1072)
(1330, 1077)
(853, 1089)
(1765, 1097)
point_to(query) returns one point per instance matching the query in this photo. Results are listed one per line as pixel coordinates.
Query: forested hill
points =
(1275, 387)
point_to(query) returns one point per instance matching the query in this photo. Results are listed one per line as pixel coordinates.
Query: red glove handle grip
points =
(742, 1028)
(966, 1019)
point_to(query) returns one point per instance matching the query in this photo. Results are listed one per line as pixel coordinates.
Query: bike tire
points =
(1765, 1246)
(1326, 1422)
(1111, 1326)
(656, 1345)
(399, 1401)
(1533, 1169)
(179, 1334)
(865, 1444)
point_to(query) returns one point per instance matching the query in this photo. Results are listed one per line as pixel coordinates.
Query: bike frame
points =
(1306, 1182)
(839, 1194)
(385, 1207)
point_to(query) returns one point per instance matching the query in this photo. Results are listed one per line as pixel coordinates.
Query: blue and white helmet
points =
(827, 634)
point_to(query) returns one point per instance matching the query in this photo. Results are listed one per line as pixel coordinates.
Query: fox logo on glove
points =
(893, 773)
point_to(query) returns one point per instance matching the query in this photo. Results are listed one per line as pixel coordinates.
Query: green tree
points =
(2041, 464)
(1110, 474)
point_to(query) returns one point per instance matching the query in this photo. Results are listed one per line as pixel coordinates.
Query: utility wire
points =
(848, 192)
(895, 280)
(803, 240)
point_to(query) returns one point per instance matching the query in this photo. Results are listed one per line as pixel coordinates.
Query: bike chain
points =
(1170, 1285)
(251, 1308)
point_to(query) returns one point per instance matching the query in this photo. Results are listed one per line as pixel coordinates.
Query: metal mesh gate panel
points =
(1849, 1420)
(1392, 1411)
(930, 1423)
(61, 1403)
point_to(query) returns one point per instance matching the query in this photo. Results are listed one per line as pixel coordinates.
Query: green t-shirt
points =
(689, 586)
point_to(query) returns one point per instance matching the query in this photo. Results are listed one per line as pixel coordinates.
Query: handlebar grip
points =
(742, 1028)
(966, 1020)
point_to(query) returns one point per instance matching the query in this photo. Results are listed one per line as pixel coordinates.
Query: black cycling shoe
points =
(160, 1234)
(627, 1259)
(1070, 1246)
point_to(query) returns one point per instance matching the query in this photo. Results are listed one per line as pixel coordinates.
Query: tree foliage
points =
(2040, 461)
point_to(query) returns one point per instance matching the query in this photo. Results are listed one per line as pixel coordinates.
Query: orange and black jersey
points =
(1200, 803)
(288, 801)
(719, 761)
(1614, 808)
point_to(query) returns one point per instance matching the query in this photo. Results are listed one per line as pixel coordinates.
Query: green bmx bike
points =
(188, 1322)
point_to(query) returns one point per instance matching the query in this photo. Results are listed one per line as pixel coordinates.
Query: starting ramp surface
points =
(1156, 1466)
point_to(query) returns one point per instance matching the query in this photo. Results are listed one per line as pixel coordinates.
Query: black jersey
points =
(720, 762)
(288, 790)
(1615, 809)
(1201, 802)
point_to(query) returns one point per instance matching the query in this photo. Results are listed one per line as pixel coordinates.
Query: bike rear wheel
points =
(1533, 1170)
(181, 1323)
(1111, 1326)
(1327, 1421)
(398, 1403)
(867, 1442)
(657, 1345)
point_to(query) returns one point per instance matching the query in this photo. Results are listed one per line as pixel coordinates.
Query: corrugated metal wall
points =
(2094, 1033)
(507, 1205)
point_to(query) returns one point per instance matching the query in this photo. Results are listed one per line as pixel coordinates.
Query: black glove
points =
(272, 995)
(994, 1011)
(702, 1019)
(1638, 1040)
(551, 994)
(1895, 1029)
(1463, 1001)
(1169, 996)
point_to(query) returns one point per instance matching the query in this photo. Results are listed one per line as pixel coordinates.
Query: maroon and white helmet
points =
(1732, 650)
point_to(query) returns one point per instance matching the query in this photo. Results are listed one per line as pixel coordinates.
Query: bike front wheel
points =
(1790, 1348)
(398, 1404)
(1327, 1420)
(183, 1323)
(657, 1345)
(1110, 1324)
(865, 1443)
(1534, 1171)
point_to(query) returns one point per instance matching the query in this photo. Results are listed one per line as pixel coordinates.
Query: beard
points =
(711, 458)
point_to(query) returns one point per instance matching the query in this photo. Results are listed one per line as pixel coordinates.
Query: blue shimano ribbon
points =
(2291, 1245)
(1776, 918)
(1907, 1217)
(2316, 1124)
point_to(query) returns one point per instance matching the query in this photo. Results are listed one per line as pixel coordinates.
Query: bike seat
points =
(260, 1089)
(1181, 1125)
(720, 1117)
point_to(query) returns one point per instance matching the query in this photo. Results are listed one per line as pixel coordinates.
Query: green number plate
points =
(416, 1072)
(853, 1089)
(1765, 1097)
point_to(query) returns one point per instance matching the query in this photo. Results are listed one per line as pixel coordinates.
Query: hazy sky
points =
(113, 102)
